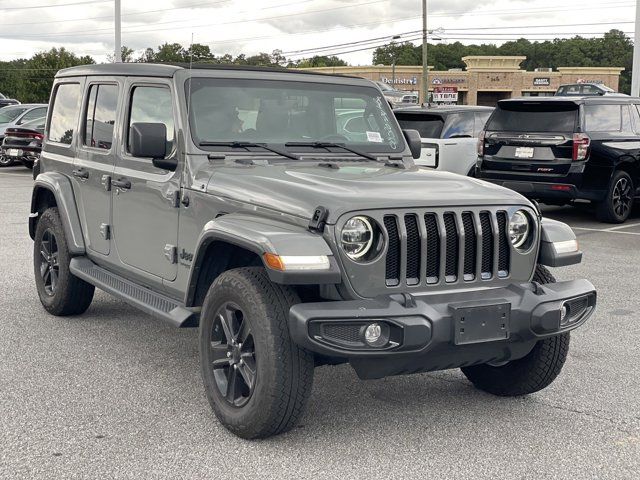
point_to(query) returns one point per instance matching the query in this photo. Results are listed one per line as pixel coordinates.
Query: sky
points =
(349, 28)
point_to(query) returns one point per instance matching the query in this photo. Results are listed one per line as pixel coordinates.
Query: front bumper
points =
(428, 332)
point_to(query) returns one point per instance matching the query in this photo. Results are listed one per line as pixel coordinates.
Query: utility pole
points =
(635, 72)
(425, 66)
(117, 48)
(395, 58)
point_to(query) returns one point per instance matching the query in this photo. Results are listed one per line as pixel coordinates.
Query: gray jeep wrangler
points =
(282, 213)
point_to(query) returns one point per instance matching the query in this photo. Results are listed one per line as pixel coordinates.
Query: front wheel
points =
(5, 161)
(616, 206)
(256, 379)
(537, 370)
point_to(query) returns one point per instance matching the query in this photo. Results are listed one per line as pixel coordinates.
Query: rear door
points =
(531, 137)
(94, 162)
(458, 147)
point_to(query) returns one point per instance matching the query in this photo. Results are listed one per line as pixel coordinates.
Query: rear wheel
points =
(616, 206)
(256, 379)
(5, 161)
(61, 293)
(537, 370)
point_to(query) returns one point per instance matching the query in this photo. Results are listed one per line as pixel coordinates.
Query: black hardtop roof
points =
(168, 70)
(587, 99)
(444, 110)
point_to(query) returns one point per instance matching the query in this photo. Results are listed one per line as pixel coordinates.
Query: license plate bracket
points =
(481, 323)
(524, 152)
(13, 152)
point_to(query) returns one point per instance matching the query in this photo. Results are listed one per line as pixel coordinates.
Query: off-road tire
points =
(537, 370)
(72, 296)
(608, 210)
(284, 372)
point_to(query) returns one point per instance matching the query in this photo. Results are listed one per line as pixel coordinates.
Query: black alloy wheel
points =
(232, 351)
(622, 197)
(5, 161)
(49, 264)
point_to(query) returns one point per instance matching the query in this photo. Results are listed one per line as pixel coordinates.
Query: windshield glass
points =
(279, 112)
(8, 115)
(429, 126)
(534, 117)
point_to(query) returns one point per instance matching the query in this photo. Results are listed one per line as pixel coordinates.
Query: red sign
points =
(445, 89)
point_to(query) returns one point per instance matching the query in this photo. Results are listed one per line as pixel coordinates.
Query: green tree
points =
(126, 55)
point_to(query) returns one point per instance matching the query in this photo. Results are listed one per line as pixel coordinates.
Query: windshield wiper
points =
(328, 145)
(248, 145)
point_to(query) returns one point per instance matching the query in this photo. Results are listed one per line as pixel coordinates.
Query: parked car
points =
(227, 198)
(16, 116)
(449, 135)
(585, 89)
(24, 144)
(558, 150)
(4, 101)
(397, 97)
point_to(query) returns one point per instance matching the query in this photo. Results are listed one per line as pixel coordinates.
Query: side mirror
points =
(150, 140)
(415, 142)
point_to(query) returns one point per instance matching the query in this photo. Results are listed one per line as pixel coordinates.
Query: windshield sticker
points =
(387, 124)
(374, 137)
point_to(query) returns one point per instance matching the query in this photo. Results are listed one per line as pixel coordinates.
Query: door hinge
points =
(106, 182)
(105, 231)
(171, 253)
(174, 198)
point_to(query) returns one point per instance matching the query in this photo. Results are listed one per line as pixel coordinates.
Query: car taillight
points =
(38, 136)
(481, 143)
(581, 144)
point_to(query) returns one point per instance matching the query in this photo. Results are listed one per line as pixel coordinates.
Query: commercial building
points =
(485, 80)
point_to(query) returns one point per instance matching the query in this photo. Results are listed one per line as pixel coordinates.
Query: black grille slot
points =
(451, 261)
(413, 249)
(393, 254)
(470, 247)
(342, 333)
(503, 245)
(433, 248)
(487, 245)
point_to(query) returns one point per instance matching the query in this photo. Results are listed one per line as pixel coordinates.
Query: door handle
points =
(80, 173)
(121, 183)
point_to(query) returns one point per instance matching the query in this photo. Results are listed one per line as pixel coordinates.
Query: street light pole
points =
(425, 67)
(635, 71)
(117, 49)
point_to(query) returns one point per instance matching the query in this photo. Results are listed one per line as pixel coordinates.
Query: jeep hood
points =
(299, 188)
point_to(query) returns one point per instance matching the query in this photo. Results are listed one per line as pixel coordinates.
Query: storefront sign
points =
(541, 81)
(582, 80)
(400, 80)
(442, 80)
(445, 94)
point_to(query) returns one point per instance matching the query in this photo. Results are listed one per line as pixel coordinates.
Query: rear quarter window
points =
(534, 117)
(64, 114)
(602, 118)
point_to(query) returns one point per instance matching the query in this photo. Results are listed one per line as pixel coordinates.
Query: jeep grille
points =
(446, 247)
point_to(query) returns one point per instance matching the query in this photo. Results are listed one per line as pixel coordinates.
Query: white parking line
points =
(620, 227)
(605, 230)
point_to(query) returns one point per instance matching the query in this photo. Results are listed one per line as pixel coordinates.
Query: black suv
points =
(558, 150)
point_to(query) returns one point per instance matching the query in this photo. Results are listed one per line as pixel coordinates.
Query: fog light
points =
(372, 333)
(563, 314)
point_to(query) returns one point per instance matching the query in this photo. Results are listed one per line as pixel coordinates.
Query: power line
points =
(54, 5)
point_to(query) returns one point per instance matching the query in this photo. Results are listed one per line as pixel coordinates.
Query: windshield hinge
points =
(319, 219)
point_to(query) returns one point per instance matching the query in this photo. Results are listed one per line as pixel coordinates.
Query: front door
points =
(145, 197)
(94, 163)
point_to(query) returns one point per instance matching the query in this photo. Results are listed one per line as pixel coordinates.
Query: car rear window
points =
(534, 117)
(429, 126)
(64, 116)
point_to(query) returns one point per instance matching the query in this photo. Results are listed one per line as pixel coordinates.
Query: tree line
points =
(614, 49)
(30, 80)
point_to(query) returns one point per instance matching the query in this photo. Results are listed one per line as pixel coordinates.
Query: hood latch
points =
(319, 219)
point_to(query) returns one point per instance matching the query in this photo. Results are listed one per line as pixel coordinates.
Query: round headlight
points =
(357, 237)
(519, 227)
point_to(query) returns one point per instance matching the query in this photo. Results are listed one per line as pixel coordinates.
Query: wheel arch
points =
(631, 166)
(240, 240)
(52, 189)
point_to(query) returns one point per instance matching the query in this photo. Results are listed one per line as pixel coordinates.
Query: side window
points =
(101, 116)
(459, 125)
(590, 90)
(481, 121)
(626, 119)
(602, 118)
(635, 117)
(64, 116)
(33, 114)
(152, 105)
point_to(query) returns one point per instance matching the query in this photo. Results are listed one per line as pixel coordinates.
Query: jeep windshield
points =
(291, 115)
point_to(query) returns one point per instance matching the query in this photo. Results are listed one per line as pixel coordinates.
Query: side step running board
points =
(150, 302)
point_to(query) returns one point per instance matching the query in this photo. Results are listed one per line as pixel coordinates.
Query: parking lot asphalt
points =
(117, 394)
